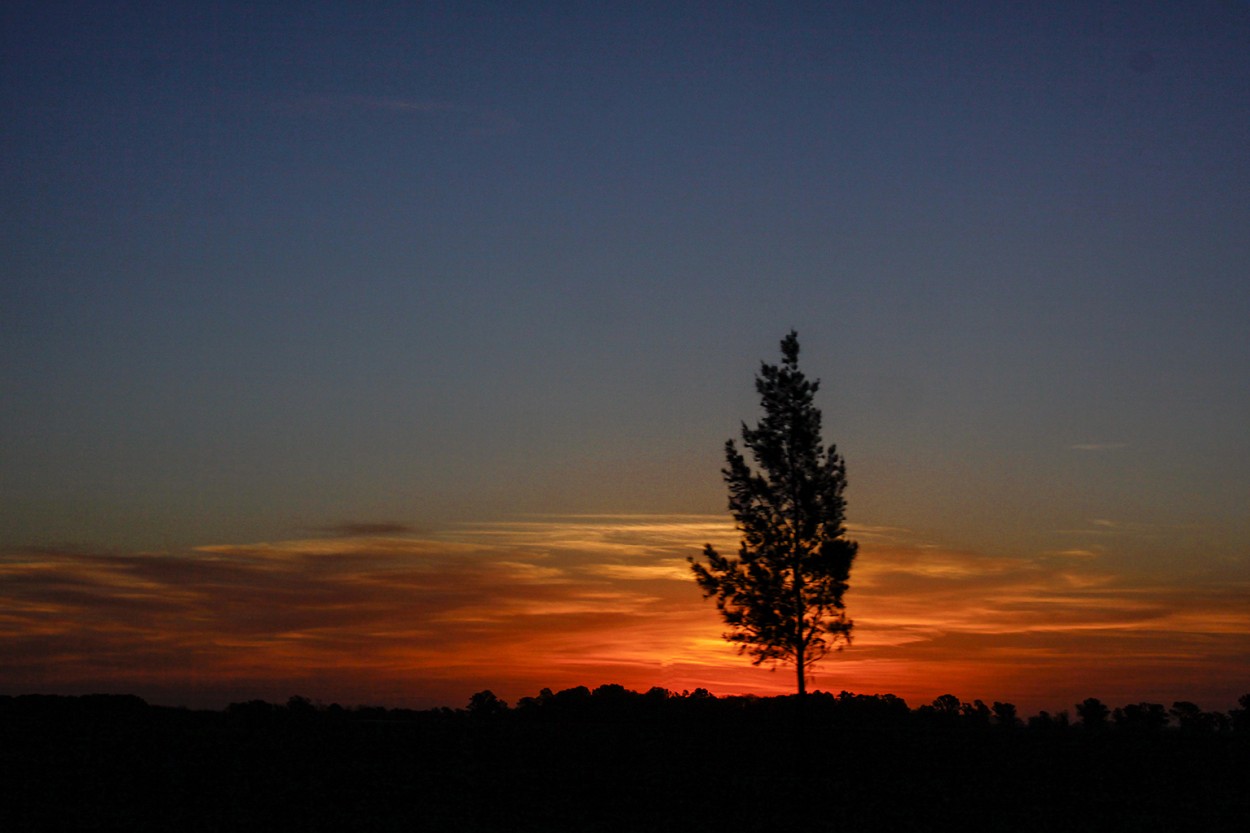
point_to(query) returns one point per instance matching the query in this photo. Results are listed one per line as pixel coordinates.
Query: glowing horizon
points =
(560, 601)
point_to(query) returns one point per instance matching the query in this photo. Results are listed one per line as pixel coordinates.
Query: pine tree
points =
(782, 595)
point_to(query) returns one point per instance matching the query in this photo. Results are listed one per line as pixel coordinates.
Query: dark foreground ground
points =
(611, 761)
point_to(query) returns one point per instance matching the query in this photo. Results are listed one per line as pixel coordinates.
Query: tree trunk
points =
(798, 732)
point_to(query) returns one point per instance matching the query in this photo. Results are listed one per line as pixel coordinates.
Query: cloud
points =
(354, 529)
(669, 570)
(1101, 527)
(1076, 553)
(562, 601)
(1098, 446)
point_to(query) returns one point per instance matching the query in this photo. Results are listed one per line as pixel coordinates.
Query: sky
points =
(385, 352)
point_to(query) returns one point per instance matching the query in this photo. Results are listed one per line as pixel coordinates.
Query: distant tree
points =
(1005, 714)
(782, 595)
(1194, 720)
(252, 709)
(976, 713)
(1140, 717)
(657, 694)
(1241, 717)
(613, 691)
(613, 699)
(571, 702)
(1044, 721)
(866, 708)
(531, 705)
(299, 706)
(1093, 713)
(1041, 721)
(576, 694)
(486, 704)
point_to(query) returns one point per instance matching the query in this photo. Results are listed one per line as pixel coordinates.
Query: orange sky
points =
(378, 615)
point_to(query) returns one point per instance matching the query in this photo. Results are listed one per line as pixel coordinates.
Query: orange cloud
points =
(564, 601)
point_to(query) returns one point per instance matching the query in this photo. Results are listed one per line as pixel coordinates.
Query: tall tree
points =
(782, 594)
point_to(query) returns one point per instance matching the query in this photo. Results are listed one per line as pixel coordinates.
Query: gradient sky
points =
(385, 352)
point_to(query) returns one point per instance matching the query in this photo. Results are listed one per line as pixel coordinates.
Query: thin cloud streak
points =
(354, 529)
(563, 601)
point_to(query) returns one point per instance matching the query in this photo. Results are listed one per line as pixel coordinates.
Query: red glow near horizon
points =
(561, 602)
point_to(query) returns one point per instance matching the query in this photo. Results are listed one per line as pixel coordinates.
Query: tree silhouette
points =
(1093, 713)
(975, 713)
(1241, 717)
(944, 710)
(1005, 714)
(1141, 717)
(782, 595)
(1193, 720)
(484, 704)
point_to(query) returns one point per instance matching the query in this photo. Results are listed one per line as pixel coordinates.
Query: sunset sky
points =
(383, 353)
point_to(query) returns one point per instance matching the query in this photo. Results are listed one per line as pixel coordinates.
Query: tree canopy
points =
(781, 596)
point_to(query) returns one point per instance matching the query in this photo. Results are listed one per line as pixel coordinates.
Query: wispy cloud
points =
(1092, 552)
(1100, 527)
(561, 601)
(355, 529)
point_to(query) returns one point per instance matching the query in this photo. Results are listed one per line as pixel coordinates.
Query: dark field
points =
(614, 760)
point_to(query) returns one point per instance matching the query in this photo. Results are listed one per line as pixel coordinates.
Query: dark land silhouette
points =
(615, 760)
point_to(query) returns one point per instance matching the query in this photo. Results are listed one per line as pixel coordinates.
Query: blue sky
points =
(277, 268)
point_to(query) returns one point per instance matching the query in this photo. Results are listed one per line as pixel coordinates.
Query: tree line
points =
(1089, 715)
(613, 759)
(617, 703)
